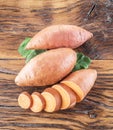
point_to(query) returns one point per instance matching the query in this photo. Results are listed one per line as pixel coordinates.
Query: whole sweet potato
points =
(81, 82)
(57, 36)
(47, 68)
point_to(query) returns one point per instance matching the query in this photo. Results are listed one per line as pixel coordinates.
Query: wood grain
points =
(20, 19)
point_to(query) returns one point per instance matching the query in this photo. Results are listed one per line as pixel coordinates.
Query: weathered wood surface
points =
(19, 19)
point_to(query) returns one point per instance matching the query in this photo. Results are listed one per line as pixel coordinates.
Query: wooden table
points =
(22, 18)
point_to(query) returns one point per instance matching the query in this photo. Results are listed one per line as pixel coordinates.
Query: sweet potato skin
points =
(57, 36)
(47, 68)
(84, 78)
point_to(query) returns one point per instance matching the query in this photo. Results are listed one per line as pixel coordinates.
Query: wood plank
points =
(20, 19)
(94, 112)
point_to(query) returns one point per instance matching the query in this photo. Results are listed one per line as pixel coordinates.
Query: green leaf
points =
(33, 54)
(28, 54)
(79, 56)
(87, 59)
(22, 49)
(83, 62)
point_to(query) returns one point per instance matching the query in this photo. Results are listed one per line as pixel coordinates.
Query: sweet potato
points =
(81, 82)
(67, 95)
(61, 96)
(38, 102)
(58, 36)
(25, 100)
(47, 68)
(53, 100)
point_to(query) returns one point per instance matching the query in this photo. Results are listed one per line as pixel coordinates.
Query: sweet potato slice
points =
(25, 100)
(68, 96)
(75, 88)
(81, 82)
(47, 68)
(38, 102)
(57, 36)
(53, 100)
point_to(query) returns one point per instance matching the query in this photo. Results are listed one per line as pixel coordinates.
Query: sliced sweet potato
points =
(57, 36)
(81, 82)
(47, 68)
(53, 100)
(25, 100)
(68, 96)
(38, 102)
(75, 88)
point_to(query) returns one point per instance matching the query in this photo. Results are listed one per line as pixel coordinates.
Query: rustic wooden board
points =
(19, 19)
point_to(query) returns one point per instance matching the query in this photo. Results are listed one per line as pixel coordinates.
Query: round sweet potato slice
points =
(25, 100)
(53, 100)
(68, 96)
(38, 102)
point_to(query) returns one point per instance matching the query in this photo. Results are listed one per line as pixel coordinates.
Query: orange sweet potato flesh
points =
(67, 95)
(57, 36)
(25, 100)
(38, 102)
(47, 68)
(53, 100)
(81, 82)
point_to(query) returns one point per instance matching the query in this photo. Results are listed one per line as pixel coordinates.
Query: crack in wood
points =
(91, 9)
